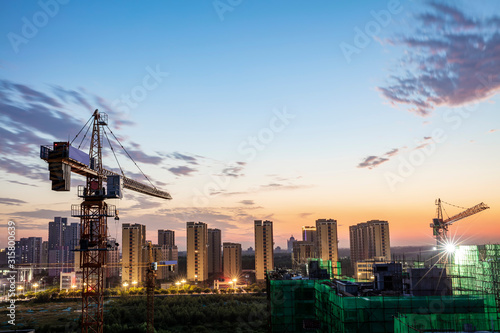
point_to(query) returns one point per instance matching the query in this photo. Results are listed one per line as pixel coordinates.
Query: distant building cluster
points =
(369, 243)
(59, 256)
(208, 258)
(135, 253)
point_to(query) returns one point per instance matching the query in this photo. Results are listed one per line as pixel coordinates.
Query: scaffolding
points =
(475, 269)
(376, 313)
(466, 322)
(316, 306)
(292, 304)
(334, 270)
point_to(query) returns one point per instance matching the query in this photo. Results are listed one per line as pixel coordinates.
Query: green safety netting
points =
(458, 322)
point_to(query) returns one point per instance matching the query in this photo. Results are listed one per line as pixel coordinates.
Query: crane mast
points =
(93, 212)
(93, 240)
(150, 288)
(151, 274)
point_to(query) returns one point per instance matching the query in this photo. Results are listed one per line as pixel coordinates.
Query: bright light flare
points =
(450, 248)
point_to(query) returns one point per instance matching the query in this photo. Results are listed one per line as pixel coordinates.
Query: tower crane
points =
(150, 288)
(440, 225)
(150, 284)
(62, 159)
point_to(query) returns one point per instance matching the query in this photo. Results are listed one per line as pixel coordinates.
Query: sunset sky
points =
(283, 110)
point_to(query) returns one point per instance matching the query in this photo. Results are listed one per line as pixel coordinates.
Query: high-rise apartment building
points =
(232, 260)
(113, 261)
(133, 253)
(197, 254)
(72, 240)
(31, 250)
(165, 253)
(166, 240)
(289, 244)
(264, 251)
(302, 251)
(45, 253)
(57, 253)
(214, 253)
(309, 234)
(56, 232)
(63, 239)
(327, 240)
(370, 240)
(166, 237)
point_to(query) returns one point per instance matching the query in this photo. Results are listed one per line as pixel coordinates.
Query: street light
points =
(36, 286)
(183, 282)
(134, 283)
(20, 288)
(125, 285)
(177, 284)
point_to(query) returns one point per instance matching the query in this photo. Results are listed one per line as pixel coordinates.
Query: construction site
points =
(458, 290)
(470, 304)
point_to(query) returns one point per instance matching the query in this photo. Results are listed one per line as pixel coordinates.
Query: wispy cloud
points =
(39, 213)
(427, 141)
(143, 202)
(31, 171)
(247, 202)
(233, 171)
(183, 157)
(141, 156)
(278, 186)
(452, 59)
(20, 183)
(215, 217)
(373, 161)
(182, 170)
(493, 130)
(31, 117)
(11, 202)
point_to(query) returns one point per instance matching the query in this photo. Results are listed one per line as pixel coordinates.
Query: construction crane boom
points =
(440, 225)
(62, 155)
(466, 213)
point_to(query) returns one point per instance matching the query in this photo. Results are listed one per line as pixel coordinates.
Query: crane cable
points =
(449, 204)
(453, 205)
(444, 209)
(82, 130)
(113, 150)
(130, 157)
(81, 142)
(118, 162)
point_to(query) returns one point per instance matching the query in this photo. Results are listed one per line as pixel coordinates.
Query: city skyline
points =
(289, 113)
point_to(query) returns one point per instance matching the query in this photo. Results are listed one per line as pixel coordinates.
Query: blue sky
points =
(223, 77)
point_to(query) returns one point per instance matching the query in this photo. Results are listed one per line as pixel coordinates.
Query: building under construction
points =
(470, 304)
(476, 269)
